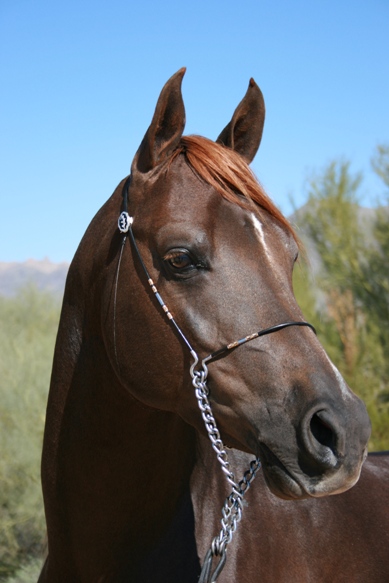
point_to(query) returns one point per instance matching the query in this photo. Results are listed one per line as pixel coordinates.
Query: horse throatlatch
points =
(216, 556)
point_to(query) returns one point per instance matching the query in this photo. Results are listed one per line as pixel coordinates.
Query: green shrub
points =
(28, 325)
(348, 299)
(27, 573)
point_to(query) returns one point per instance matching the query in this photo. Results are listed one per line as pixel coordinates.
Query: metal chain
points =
(233, 505)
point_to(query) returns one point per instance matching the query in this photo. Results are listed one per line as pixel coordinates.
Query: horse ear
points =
(166, 128)
(244, 132)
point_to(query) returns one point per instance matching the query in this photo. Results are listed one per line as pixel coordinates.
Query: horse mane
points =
(229, 174)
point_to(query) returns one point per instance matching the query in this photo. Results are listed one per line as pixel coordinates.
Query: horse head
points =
(222, 256)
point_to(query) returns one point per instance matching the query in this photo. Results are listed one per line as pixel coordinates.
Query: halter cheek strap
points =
(233, 506)
(125, 222)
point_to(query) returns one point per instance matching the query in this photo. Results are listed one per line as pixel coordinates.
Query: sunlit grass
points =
(28, 325)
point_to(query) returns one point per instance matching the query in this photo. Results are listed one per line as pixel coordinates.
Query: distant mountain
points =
(44, 274)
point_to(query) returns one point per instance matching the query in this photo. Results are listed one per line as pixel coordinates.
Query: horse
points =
(183, 362)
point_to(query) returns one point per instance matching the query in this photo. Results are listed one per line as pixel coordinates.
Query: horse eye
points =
(179, 260)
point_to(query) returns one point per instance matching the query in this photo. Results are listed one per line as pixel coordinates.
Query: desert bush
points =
(28, 324)
(348, 299)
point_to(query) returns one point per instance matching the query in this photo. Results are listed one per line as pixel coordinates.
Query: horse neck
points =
(148, 454)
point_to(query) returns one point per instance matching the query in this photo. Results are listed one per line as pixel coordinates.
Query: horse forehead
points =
(270, 232)
(189, 193)
(181, 198)
(189, 204)
(186, 192)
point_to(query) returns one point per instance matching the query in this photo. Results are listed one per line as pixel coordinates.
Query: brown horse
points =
(133, 488)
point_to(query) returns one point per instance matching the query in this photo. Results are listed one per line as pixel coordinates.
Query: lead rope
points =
(233, 505)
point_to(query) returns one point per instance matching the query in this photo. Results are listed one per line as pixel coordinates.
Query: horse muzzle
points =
(327, 456)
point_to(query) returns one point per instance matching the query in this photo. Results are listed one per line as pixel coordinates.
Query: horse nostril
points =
(322, 443)
(323, 432)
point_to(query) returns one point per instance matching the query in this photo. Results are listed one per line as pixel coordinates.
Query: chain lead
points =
(233, 505)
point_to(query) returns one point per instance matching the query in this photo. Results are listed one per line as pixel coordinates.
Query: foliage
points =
(27, 573)
(374, 290)
(27, 333)
(331, 222)
(380, 163)
(347, 300)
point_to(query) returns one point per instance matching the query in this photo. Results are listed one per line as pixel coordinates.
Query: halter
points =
(233, 505)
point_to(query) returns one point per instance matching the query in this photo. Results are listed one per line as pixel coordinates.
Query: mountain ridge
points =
(46, 275)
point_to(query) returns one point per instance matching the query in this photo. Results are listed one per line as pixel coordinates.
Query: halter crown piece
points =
(233, 505)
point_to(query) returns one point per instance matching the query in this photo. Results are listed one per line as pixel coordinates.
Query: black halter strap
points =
(125, 226)
(232, 509)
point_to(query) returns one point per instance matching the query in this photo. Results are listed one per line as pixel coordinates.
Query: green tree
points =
(380, 163)
(332, 223)
(374, 288)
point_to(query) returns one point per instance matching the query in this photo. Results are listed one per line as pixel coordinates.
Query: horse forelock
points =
(229, 174)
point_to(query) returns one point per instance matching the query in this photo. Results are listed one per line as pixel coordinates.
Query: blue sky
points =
(80, 80)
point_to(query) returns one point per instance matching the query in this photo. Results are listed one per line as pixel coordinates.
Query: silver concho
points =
(124, 222)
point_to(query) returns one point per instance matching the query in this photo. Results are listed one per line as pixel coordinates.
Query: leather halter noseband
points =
(233, 505)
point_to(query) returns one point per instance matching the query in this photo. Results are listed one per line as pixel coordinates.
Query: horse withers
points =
(133, 489)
